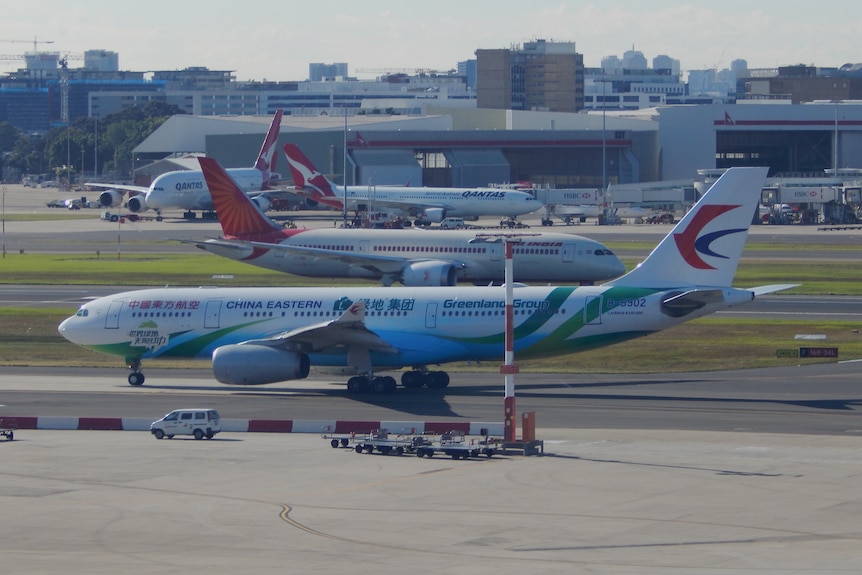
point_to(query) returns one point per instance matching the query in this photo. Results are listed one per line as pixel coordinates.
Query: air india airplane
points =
(412, 257)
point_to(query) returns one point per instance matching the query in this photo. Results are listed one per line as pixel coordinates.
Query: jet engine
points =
(138, 204)
(257, 364)
(433, 215)
(262, 202)
(430, 273)
(311, 204)
(111, 198)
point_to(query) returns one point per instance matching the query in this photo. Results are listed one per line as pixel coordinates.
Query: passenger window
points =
(186, 416)
(199, 415)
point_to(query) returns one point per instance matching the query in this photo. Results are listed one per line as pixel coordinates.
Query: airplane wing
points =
(124, 187)
(410, 207)
(348, 329)
(232, 245)
(374, 262)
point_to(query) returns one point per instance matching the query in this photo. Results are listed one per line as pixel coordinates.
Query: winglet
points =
(238, 215)
(355, 313)
(705, 246)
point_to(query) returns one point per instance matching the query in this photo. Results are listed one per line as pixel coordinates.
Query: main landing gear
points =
(378, 384)
(431, 379)
(413, 379)
(136, 378)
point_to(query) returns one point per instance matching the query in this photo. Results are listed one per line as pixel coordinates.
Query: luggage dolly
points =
(455, 446)
(342, 440)
(8, 427)
(380, 441)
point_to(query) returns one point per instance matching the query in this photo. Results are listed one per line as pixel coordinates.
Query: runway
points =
(803, 399)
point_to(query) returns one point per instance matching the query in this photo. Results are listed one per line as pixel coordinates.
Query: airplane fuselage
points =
(428, 326)
(540, 257)
(188, 190)
(458, 202)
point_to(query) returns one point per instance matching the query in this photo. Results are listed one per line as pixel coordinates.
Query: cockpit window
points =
(83, 312)
(601, 252)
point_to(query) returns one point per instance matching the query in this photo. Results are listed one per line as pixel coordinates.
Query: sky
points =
(277, 40)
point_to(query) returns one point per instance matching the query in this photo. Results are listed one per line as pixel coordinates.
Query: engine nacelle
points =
(433, 215)
(311, 204)
(138, 204)
(262, 202)
(430, 273)
(111, 198)
(257, 364)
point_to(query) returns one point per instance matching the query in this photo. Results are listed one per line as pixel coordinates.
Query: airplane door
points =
(213, 314)
(568, 252)
(364, 246)
(495, 249)
(112, 321)
(593, 310)
(431, 315)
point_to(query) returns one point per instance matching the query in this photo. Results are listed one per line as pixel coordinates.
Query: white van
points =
(452, 223)
(198, 422)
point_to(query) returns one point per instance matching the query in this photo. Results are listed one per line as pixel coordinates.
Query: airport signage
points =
(815, 352)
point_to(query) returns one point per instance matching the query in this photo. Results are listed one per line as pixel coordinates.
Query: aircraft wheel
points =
(378, 385)
(356, 384)
(136, 378)
(438, 379)
(411, 379)
(390, 383)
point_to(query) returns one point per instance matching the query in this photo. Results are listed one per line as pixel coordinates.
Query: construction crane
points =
(36, 42)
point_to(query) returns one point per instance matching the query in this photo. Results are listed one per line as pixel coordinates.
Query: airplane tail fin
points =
(704, 248)
(266, 158)
(238, 215)
(305, 175)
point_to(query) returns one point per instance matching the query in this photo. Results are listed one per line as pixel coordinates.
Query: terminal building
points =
(535, 116)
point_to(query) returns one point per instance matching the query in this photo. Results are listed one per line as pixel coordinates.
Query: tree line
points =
(100, 148)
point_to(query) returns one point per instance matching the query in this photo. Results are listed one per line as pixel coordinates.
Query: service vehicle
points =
(197, 422)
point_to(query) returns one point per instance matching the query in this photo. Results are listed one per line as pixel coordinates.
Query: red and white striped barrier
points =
(263, 425)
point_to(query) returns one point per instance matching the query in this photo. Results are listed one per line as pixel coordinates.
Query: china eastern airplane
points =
(257, 336)
(427, 205)
(412, 257)
(187, 189)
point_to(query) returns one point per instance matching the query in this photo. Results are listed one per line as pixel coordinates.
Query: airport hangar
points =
(477, 147)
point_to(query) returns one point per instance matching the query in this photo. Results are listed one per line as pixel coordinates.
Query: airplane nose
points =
(616, 267)
(63, 328)
(153, 200)
(68, 330)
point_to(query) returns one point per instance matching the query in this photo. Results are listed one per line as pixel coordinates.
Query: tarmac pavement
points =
(598, 501)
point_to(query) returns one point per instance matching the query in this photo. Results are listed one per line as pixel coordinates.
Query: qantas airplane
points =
(257, 336)
(187, 190)
(412, 257)
(427, 205)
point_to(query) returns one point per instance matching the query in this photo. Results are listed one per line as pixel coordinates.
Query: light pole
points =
(4, 222)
